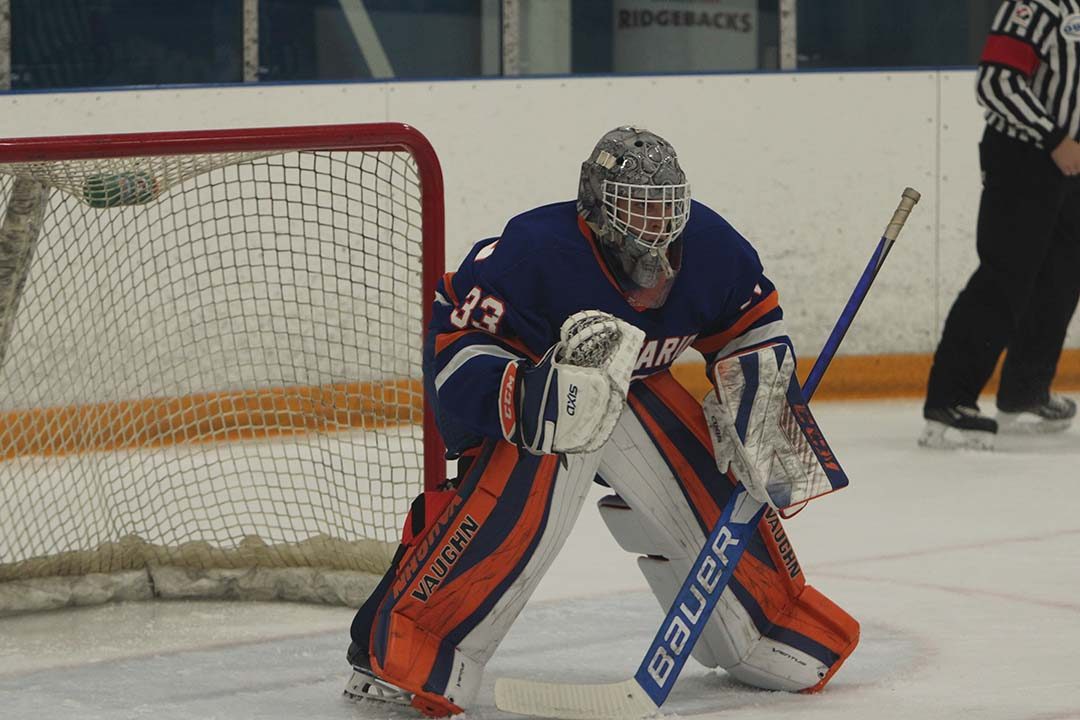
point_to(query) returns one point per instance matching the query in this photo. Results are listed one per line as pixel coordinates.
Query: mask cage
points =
(650, 215)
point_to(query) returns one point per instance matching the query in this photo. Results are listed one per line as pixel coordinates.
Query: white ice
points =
(963, 569)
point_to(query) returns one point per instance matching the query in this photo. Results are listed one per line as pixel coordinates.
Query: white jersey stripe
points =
(465, 355)
(756, 336)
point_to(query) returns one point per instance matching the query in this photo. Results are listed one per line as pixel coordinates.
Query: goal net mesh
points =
(210, 365)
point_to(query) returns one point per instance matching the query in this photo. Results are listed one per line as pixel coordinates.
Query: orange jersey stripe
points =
(443, 340)
(448, 285)
(714, 343)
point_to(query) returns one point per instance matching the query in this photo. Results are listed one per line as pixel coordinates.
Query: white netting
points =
(209, 362)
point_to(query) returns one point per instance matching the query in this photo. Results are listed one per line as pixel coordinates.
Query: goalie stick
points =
(643, 694)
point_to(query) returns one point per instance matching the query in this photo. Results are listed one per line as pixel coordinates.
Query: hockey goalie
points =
(548, 360)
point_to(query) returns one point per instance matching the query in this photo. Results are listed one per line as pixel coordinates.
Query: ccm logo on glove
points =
(507, 413)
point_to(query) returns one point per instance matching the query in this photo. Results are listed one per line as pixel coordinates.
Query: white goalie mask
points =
(635, 197)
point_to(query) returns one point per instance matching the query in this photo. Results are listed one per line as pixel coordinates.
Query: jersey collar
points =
(594, 244)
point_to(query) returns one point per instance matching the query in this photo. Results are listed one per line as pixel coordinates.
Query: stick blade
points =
(612, 701)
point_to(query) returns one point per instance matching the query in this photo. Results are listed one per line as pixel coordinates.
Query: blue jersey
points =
(511, 294)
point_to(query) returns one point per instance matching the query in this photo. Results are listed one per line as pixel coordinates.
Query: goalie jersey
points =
(511, 294)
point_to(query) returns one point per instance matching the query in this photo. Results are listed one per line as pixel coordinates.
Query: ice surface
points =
(963, 568)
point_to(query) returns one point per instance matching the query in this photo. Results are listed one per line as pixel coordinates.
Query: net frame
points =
(371, 137)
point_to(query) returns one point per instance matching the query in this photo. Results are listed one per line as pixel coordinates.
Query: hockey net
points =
(210, 361)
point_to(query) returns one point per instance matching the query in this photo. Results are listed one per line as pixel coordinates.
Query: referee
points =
(1023, 294)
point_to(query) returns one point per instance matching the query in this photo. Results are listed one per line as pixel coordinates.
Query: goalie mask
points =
(635, 198)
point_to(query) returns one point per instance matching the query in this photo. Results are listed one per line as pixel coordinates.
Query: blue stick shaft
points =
(892, 230)
(846, 317)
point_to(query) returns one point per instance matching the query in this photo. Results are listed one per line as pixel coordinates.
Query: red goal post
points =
(234, 315)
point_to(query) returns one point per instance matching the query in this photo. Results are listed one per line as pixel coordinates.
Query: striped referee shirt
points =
(1029, 73)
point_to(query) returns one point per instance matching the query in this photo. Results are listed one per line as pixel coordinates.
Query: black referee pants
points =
(1024, 292)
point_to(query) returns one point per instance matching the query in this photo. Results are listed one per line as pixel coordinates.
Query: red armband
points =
(1010, 52)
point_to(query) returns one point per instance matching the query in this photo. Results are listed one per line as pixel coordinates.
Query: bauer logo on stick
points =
(679, 631)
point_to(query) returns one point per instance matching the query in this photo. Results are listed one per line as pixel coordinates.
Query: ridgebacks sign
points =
(685, 35)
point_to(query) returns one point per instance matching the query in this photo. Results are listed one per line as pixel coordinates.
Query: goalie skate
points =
(363, 685)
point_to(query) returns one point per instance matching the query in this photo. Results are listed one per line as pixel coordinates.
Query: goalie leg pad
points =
(763, 430)
(769, 629)
(425, 511)
(460, 585)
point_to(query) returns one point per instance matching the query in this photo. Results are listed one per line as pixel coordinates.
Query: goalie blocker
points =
(764, 433)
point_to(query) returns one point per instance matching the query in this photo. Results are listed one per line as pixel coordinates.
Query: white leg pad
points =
(572, 483)
(731, 640)
(655, 520)
(633, 531)
(465, 679)
(715, 648)
(773, 665)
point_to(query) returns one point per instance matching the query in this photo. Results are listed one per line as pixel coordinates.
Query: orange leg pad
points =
(834, 627)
